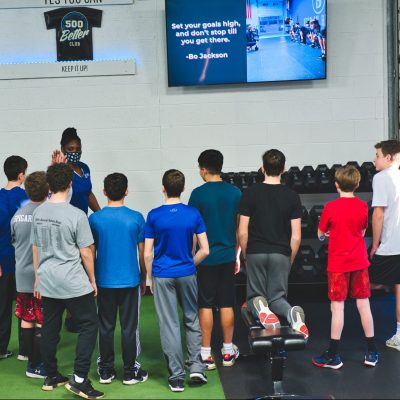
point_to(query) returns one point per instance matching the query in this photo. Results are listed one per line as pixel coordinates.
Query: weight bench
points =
(273, 344)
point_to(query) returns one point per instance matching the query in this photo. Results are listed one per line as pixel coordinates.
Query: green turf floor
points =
(15, 385)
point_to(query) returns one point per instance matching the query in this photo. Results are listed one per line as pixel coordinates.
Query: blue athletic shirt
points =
(218, 204)
(10, 202)
(117, 232)
(81, 188)
(172, 227)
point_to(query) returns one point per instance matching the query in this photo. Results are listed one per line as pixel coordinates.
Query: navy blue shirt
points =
(81, 188)
(172, 227)
(117, 232)
(10, 202)
(218, 205)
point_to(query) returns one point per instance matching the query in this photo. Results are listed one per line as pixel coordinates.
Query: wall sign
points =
(74, 27)
(67, 41)
(67, 69)
(59, 3)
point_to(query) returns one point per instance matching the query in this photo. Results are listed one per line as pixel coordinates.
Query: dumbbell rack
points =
(315, 187)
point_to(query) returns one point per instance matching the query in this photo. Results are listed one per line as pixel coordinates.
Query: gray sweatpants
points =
(267, 276)
(167, 293)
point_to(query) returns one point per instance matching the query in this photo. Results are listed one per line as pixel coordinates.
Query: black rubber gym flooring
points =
(280, 59)
(250, 377)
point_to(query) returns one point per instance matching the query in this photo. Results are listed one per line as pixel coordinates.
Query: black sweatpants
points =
(83, 309)
(7, 293)
(126, 302)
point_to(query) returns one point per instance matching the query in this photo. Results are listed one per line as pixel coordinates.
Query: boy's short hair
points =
(115, 186)
(348, 178)
(13, 166)
(212, 160)
(274, 162)
(173, 182)
(36, 186)
(391, 147)
(59, 177)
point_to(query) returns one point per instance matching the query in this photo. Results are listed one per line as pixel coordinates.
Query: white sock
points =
(205, 352)
(398, 329)
(78, 379)
(228, 348)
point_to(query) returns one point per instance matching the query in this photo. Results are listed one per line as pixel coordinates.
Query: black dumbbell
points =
(285, 180)
(305, 223)
(354, 164)
(228, 177)
(309, 179)
(296, 179)
(315, 216)
(370, 212)
(305, 269)
(240, 180)
(368, 171)
(322, 261)
(253, 177)
(324, 179)
(333, 170)
(260, 176)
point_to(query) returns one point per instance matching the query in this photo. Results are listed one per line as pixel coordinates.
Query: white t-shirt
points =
(386, 188)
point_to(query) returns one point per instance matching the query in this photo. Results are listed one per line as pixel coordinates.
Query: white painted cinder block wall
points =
(139, 126)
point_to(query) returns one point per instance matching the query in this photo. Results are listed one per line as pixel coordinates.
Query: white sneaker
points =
(229, 359)
(267, 318)
(394, 342)
(21, 357)
(296, 320)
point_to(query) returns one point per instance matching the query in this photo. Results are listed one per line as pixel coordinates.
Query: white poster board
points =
(28, 47)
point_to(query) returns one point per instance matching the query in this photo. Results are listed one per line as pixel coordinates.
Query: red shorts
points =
(339, 284)
(29, 308)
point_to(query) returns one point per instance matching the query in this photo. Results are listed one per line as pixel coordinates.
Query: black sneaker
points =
(177, 385)
(106, 376)
(51, 383)
(84, 389)
(7, 354)
(198, 378)
(138, 375)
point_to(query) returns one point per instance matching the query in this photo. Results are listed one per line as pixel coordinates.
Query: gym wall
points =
(139, 126)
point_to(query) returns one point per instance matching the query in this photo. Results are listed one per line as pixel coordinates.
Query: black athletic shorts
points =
(216, 285)
(385, 269)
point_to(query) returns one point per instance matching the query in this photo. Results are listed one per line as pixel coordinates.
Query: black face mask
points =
(73, 157)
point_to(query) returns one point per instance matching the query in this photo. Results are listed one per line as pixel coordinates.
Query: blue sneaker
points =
(327, 361)
(371, 359)
(35, 372)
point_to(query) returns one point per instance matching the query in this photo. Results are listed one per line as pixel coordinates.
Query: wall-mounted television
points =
(242, 41)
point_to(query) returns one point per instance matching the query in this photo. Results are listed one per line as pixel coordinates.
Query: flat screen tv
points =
(242, 41)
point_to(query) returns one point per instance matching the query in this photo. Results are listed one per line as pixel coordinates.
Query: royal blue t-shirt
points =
(117, 232)
(172, 227)
(10, 202)
(81, 188)
(218, 203)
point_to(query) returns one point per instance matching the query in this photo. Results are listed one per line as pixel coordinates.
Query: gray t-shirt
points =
(21, 239)
(59, 230)
(386, 188)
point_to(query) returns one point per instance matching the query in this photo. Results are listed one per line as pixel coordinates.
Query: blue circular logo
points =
(318, 6)
(74, 20)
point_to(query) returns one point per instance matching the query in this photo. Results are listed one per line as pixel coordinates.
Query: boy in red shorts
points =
(28, 307)
(344, 221)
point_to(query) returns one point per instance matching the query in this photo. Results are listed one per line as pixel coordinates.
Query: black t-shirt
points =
(74, 31)
(271, 209)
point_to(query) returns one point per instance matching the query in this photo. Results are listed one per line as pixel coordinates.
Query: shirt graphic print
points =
(74, 28)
